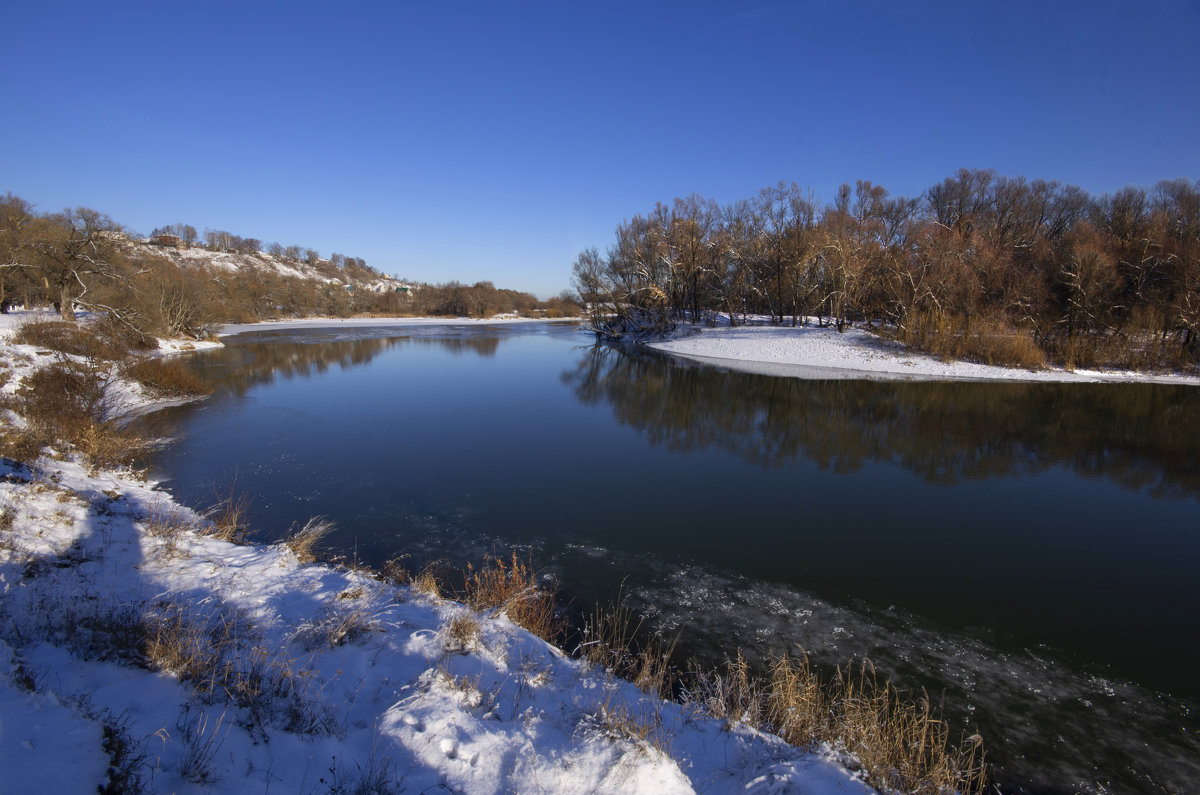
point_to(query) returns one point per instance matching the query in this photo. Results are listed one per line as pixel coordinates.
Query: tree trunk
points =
(65, 308)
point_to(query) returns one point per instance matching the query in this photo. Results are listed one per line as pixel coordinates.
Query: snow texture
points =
(814, 352)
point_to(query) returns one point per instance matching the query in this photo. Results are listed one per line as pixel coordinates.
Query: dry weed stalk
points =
(611, 641)
(228, 515)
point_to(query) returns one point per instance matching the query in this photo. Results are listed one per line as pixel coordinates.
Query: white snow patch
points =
(823, 353)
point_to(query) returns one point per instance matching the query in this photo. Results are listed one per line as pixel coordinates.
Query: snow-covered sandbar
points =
(823, 353)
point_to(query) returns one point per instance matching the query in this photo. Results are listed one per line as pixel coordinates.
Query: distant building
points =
(173, 241)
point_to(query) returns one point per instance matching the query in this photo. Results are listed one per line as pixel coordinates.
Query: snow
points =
(377, 322)
(318, 678)
(823, 353)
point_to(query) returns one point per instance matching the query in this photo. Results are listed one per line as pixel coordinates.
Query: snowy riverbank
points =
(824, 353)
(134, 646)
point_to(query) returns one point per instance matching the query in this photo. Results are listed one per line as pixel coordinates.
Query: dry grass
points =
(427, 582)
(166, 520)
(902, 745)
(984, 341)
(69, 403)
(462, 632)
(344, 621)
(303, 541)
(511, 587)
(613, 640)
(227, 516)
(166, 378)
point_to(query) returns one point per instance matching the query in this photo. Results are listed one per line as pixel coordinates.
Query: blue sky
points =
(493, 140)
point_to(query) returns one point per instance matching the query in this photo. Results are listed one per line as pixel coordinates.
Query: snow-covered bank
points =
(822, 353)
(135, 646)
(327, 678)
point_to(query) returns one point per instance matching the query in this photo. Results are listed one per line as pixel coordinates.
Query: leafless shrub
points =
(98, 341)
(303, 541)
(68, 402)
(984, 341)
(166, 378)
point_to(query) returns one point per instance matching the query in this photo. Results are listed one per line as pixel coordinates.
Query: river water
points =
(1027, 553)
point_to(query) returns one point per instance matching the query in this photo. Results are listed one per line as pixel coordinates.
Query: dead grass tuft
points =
(428, 582)
(167, 520)
(344, 621)
(303, 541)
(228, 515)
(902, 745)
(462, 632)
(511, 587)
(613, 640)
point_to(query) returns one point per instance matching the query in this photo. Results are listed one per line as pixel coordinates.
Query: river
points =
(1026, 553)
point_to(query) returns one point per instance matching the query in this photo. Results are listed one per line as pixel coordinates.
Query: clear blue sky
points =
(495, 140)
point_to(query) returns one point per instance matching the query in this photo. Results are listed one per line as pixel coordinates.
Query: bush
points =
(985, 341)
(101, 341)
(166, 378)
(68, 402)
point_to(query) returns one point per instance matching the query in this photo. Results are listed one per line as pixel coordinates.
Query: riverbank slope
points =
(138, 651)
(812, 351)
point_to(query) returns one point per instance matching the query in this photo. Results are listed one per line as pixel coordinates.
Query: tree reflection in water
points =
(1141, 436)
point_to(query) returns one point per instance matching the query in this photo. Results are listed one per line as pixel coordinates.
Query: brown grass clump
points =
(612, 640)
(228, 516)
(427, 582)
(303, 541)
(903, 746)
(164, 520)
(166, 378)
(512, 588)
(462, 633)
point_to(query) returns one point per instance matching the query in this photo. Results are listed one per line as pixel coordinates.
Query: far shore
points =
(814, 352)
(230, 329)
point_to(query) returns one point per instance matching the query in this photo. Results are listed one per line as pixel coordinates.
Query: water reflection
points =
(251, 360)
(1141, 436)
(943, 529)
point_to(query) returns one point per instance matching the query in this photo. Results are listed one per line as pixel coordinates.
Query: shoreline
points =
(126, 622)
(812, 352)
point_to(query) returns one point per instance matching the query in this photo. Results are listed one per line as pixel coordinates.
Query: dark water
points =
(1026, 552)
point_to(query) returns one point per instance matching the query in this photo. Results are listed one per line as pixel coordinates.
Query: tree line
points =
(82, 259)
(979, 265)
